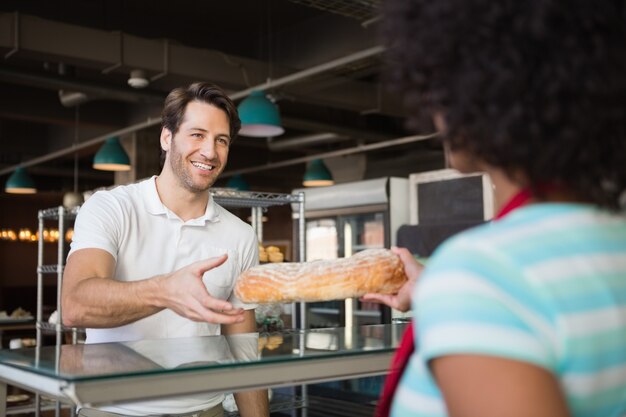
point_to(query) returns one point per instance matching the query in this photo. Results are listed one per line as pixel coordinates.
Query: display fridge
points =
(341, 220)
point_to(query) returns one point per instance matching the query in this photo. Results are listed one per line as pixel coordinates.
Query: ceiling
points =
(64, 68)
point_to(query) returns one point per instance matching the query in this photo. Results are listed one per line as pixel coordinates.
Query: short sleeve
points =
(98, 224)
(474, 299)
(249, 257)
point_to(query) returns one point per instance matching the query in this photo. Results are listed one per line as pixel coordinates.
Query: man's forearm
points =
(105, 303)
(253, 403)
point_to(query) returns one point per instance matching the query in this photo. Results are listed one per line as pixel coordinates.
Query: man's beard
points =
(182, 172)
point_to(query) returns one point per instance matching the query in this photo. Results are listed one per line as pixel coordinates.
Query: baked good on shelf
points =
(275, 257)
(270, 254)
(272, 249)
(372, 270)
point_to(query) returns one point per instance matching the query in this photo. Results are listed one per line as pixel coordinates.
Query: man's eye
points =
(223, 141)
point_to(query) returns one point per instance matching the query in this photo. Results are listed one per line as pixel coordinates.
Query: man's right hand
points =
(184, 292)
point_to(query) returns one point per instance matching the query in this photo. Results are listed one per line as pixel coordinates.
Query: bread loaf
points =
(373, 270)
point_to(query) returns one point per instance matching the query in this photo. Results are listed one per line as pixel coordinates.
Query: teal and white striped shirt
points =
(544, 285)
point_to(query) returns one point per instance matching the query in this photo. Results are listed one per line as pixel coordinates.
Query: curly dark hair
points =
(532, 85)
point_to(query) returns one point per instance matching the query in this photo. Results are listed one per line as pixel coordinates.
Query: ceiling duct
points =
(306, 140)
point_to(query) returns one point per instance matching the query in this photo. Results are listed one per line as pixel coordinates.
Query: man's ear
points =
(166, 139)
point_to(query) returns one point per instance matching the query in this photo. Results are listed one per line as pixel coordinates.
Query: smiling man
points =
(159, 259)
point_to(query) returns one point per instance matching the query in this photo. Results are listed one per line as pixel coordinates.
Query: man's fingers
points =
(225, 317)
(218, 305)
(233, 312)
(201, 267)
(200, 313)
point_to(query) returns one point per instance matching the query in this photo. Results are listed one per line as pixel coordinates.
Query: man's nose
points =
(208, 148)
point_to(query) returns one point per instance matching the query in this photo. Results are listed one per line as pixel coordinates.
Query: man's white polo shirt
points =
(147, 239)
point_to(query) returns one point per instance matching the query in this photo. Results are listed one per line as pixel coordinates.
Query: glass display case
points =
(106, 373)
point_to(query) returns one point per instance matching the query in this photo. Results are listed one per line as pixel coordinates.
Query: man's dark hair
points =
(533, 85)
(177, 100)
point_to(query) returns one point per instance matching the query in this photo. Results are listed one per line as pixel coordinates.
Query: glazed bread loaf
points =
(373, 270)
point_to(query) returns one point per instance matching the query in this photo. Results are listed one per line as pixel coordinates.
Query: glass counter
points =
(96, 374)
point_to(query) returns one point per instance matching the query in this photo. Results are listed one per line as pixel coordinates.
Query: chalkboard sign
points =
(450, 201)
(443, 203)
(446, 196)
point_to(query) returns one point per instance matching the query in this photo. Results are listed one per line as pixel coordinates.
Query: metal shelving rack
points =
(62, 215)
(258, 202)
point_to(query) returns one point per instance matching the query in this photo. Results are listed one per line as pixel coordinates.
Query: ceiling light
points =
(238, 182)
(317, 175)
(259, 116)
(138, 79)
(112, 157)
(72, 98)
(20, 183)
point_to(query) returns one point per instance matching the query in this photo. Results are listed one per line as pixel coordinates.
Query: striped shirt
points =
(545, 285)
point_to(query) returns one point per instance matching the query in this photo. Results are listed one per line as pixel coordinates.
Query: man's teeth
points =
(202, 166)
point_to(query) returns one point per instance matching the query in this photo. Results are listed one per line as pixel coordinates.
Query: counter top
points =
(87, 375)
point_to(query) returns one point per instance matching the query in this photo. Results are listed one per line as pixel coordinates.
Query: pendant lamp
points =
(20, 183)
(317, 175)
(238, 182)
(259, 116)
(111, 157)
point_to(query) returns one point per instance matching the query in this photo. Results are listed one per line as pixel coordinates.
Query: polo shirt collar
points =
(155, 206)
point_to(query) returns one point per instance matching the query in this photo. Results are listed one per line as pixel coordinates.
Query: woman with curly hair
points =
(526, 315)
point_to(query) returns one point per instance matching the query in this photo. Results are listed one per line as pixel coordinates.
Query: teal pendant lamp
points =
(111, 157)
(317, 175)
(20, 183)
(259, 116)
(238, 182)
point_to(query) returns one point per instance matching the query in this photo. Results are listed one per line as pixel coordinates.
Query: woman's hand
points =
(402, 300)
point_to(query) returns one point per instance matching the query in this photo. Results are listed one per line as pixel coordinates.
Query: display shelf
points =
(367, 313)
(233, 198)
(323, 310)
(50, 269)
(29, 407)
(53, 213)
(335, 311)
(333, 407)
(53, 327)
(279, 402)
(62, 216)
